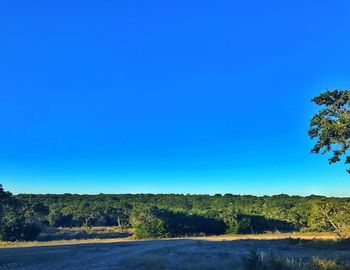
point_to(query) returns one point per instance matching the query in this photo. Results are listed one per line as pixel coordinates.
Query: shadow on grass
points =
(337, 244)
(80, 234)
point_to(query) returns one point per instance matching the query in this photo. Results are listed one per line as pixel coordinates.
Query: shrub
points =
(57, 219)
(233, 227)
(146, 224)
(15, 229)
(245, 226)
(15, 219)
(328, 264)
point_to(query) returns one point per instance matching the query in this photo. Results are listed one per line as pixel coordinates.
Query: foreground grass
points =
(257, 261)
(278, 252)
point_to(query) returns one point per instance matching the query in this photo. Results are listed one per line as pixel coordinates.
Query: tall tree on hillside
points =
(331, 125)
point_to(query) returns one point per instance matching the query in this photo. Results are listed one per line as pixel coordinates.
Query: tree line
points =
(170, 215)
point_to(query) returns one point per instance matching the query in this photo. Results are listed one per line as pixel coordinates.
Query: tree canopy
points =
(331, 125)
(23, 216)
(19, 220)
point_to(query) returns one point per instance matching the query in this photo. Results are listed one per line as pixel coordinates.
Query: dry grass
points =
(328, 264)
(110, 235)
(274, 236)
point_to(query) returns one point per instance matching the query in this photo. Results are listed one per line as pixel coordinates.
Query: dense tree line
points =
(171, 215)
(165, 215)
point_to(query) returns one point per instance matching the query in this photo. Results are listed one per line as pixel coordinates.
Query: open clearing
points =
(191, 253)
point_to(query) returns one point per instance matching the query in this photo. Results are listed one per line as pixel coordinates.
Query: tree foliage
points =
(146, 223)
(162, 215)
(330, 216)
(331, 125)
(18, 219)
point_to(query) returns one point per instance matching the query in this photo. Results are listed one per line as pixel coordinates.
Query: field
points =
(227, 252)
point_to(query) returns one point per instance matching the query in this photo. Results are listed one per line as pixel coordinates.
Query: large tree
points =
(331, 125)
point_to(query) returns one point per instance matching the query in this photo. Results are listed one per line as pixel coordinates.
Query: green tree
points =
(36, 213)
(229, 217)
(146, 224)
(57, 219)
(331, 125)
(328, 215)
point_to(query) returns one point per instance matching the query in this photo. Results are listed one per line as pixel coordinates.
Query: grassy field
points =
(217, 252)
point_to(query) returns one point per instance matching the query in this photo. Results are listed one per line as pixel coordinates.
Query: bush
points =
(15, 219)
(15, 229)
(328, 264)
(146, 224)
(57, 219)
(245, 226)
(233, 227)
(155, 229)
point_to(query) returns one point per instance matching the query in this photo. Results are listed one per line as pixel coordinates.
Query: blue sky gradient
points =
(168, 96)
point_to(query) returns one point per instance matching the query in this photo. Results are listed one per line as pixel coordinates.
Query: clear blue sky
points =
(168, 96)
